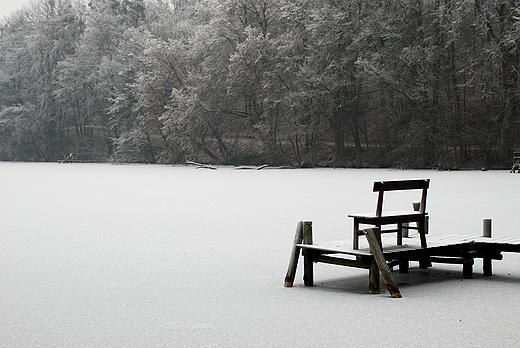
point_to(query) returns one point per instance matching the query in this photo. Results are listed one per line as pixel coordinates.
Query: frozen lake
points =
(97, 255)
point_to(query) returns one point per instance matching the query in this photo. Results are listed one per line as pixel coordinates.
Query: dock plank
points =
(438, 245)
(499, 240)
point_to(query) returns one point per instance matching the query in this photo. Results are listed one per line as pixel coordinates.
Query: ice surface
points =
(96, 255)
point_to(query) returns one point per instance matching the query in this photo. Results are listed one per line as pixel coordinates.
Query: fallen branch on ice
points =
(201, 165)
(252, 167)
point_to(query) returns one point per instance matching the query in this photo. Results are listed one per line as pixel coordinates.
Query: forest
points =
(301, 83)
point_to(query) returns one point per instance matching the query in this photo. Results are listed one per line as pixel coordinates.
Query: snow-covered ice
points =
(98, 255)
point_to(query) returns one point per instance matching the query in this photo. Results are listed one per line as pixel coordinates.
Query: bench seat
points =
(387, 214)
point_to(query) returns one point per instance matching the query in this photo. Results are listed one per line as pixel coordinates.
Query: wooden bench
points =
(398, 218)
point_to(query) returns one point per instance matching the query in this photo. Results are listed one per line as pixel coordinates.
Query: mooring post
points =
(486, 261)
(308, 268)
(467, 266)
(295, 255)
(486, 228)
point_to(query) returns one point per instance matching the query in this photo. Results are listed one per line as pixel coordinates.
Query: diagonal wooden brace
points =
(377, 251)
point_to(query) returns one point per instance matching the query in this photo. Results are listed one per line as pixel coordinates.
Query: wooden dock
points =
(451, 249)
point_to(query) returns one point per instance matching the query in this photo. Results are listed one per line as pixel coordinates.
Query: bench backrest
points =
(399, 185)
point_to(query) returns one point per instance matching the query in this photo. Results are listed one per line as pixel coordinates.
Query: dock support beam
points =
(487, 268)
(467, 268)
(308, 267)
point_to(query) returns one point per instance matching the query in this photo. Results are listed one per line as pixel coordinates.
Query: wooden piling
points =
(374, 242)
(467, 268)
(486, 228)
(417, 207)
(295, 255)
(487, 268)
(404, 266)
(373, 278)
(468, 259)
(308, 267)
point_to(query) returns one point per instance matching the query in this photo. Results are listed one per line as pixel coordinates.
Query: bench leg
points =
(355, 241)
(422, 230)
(399, 234)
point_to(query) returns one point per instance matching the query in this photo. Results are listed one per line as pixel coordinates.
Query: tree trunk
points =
(510, 68)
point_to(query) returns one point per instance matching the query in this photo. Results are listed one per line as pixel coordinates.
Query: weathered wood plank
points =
(416, 184)
(375, 248)
(499, 240)
(451, 260)
(332, 249)
(358, 263)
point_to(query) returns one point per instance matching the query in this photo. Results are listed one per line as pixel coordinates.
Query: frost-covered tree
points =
(35, 41)
(408, 83)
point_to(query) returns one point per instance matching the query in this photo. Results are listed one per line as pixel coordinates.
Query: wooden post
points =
(377, 251)
(373, 271)
(423, 264)
(417, 207)
(467, 268)
(308, 267)
(486, 231)
(295, 255)
(468, 261)
(487, 268)
(373, 278)
(404, 265)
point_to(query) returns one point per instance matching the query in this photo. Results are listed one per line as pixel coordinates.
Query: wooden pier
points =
(378, 253)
